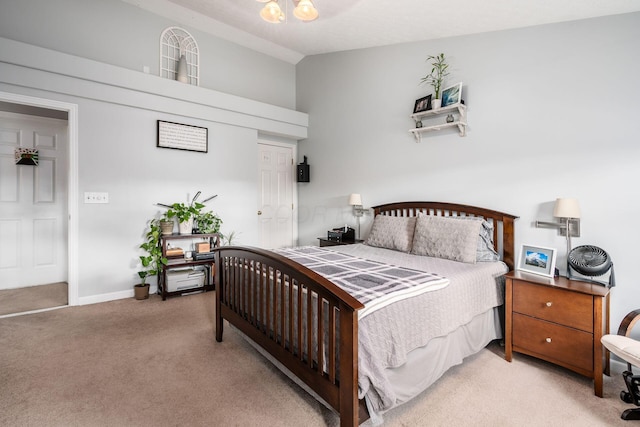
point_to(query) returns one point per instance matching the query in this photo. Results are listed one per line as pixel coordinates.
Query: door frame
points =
(72, 180)
(294, 186)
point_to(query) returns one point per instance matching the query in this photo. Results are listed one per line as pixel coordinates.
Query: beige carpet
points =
(155, 363)
(33, 298)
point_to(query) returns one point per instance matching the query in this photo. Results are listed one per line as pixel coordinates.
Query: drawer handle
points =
(549, 304)
(548, 340)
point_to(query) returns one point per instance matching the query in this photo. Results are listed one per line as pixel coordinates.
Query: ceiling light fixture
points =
(271, 12)
(304, 10)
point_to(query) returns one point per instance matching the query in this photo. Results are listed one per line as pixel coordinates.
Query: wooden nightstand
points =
(558, 320)
(326, 242)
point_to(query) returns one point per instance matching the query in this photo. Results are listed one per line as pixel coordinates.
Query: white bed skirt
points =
(425, 365)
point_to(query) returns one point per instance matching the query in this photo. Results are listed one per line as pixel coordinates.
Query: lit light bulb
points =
(272, 13)
(305, 11)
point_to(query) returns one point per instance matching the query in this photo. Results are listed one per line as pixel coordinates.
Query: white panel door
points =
(275, 204)
(33, 202)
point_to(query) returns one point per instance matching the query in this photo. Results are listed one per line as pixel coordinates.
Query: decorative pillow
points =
(447, 237)
(485, 251)
(392, 232)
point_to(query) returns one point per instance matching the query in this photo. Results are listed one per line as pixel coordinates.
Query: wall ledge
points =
(207, 104)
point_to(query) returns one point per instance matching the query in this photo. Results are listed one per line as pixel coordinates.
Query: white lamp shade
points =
(272, 12)
(305, 11)
(355, 199)
(566, 208)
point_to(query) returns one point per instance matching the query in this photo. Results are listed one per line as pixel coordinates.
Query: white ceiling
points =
(353, 24)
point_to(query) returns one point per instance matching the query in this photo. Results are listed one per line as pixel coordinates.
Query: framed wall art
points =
(537, 260)
(182, 137)
(452, 95)
(422, 104)
(26, 156)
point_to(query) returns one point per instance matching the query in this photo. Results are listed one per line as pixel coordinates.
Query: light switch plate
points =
(94, 197)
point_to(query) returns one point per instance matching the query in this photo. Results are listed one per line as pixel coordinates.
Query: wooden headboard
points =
(503, 230)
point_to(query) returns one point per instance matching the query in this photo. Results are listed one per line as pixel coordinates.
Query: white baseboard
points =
(95, 299)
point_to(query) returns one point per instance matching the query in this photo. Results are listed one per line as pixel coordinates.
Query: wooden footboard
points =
(306, 322)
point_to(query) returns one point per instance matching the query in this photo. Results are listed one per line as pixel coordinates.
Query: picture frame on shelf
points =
(537, 260)
(452, 95)
(422, 104)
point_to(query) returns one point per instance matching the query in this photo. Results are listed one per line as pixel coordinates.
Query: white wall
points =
(552, 112)
(117, 154)
(120, 34)
(91, 55)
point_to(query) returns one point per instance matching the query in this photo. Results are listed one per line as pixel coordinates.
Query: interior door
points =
(275, 204)
(33, 202)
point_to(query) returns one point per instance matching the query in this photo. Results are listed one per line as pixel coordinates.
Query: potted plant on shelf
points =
(208, 222)
(185, 215)
(436, 77)
(166, 225)
(153, 261)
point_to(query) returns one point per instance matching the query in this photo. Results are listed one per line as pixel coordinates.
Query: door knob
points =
(259, 212)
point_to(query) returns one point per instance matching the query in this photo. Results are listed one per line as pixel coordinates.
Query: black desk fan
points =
(590, 261)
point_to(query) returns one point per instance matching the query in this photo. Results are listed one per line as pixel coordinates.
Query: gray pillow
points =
(392, 232)
(447, 237)
(485, 251)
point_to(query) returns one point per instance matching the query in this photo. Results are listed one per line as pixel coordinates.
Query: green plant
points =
(437, 74)
(152, 262)
(143, 277)
(184, 212)
(208, 222)
(227, 239)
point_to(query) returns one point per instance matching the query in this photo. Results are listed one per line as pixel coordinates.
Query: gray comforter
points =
(386, 337)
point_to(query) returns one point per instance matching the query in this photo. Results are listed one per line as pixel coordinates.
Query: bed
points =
(316, 331)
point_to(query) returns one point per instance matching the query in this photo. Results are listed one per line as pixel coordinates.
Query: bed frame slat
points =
(332, 343)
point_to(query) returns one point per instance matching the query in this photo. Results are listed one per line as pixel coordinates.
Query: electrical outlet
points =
(94, 197)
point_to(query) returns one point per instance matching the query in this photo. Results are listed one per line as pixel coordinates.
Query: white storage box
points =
(179, 279)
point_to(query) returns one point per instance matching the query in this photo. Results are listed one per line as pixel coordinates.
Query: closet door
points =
(275, 195)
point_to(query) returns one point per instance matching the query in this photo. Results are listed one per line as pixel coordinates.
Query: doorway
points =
(276, 195)
(38, 206)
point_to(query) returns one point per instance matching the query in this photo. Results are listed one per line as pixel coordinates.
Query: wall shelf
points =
(460, 123)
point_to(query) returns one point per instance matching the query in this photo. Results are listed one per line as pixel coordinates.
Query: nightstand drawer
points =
(549, 341)
(555, 305)
(559, 320)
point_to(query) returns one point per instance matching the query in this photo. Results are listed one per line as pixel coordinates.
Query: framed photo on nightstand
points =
(537, 260)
